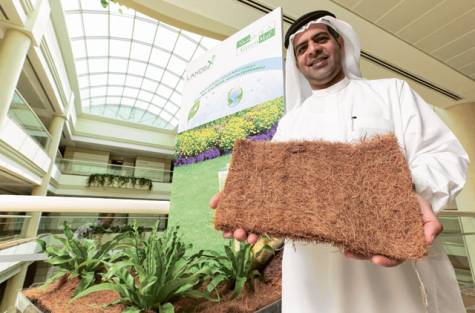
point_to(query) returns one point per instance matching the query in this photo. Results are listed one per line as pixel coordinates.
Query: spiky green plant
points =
(152, 273)
(235, 267)
(77, 257)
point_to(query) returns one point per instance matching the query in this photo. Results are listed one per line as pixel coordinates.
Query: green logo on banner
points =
(268, 34)
(234, 96)
(243, 41)
(194, 109)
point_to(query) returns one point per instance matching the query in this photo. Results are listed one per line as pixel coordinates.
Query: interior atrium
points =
(91, 91)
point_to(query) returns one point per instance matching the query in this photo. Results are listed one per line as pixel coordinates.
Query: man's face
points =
(319, 56)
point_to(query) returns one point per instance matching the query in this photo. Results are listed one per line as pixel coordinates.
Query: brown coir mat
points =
(355, 196)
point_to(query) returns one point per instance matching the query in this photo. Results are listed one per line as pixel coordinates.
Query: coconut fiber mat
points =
(357, 196)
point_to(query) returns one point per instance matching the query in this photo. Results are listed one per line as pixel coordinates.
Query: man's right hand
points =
(238, 234)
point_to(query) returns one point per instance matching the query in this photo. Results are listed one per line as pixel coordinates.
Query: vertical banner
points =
(234, 91)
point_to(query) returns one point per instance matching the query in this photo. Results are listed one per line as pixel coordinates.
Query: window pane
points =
(177, 66)
(124, 59)
(170, 79)
(145, 96)
(185, 48)
(97, 47)
(133, 81)
(119, 48)
(154, 72)
(140, 52)
(117, 65)
(74, 22)
(159, 57)
(79, 48)
(95, 24)
(144, 31)
(149, 85)
(81, 67)
(116, 79)
(98, 66)
(164, 91)
(137, 68)
(121, 26)
(130, 92)
(165, 37)
(98, 80)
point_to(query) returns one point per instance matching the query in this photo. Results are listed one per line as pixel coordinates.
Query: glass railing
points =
(78, 167)
(99, 224)
(96, 224)
(11, 225)
(458, 239)
(22, 114)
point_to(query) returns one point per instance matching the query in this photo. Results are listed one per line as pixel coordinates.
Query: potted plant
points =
(156, 273)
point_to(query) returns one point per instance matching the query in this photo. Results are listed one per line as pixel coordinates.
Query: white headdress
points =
(297, 88)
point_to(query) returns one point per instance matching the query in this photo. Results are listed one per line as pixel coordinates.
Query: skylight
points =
(129, 66)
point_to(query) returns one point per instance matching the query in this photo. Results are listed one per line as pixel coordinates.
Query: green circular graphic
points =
(194, 109)
(234, 96)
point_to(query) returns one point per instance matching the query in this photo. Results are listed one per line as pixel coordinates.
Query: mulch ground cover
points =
(57, 297)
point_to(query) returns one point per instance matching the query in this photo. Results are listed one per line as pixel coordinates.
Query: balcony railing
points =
(78, 167)
(22, 114)
(77, 212)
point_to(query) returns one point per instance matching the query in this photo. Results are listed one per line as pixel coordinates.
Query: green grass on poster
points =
(192, 188)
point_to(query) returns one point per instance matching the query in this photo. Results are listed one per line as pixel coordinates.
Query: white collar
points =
(332, 89)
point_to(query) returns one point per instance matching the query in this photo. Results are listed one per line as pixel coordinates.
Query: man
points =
(326, 99)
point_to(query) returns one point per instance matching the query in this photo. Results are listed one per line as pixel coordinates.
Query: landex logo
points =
(202, 69)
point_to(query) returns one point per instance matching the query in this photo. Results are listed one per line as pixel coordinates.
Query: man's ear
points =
(341, 44)
(341, 41)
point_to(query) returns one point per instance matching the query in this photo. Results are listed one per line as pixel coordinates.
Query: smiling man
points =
(326, 99)
(318, 53)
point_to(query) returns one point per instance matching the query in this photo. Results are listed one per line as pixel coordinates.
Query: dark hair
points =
(333, 32)
(304, 19)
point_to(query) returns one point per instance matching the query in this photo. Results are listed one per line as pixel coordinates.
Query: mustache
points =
(317, 59)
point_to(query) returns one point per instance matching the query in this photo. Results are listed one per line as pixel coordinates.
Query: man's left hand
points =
(432, 228)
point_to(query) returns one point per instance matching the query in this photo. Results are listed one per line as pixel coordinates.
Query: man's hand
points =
(238, 234)
(432, 228)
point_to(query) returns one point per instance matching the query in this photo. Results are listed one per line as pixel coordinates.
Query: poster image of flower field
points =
(217, 138)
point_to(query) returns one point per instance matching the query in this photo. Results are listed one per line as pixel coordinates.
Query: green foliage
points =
(78, 257)
(223, 132)
(152, 272)
(234, 267)
(110, 180)
(105, 3)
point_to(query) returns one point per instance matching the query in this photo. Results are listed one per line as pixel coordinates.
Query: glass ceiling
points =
(129, 66)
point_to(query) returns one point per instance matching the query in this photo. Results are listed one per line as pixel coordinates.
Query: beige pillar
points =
(55, 129)
(30, 228)
(13, 50)
(14, 285)
(460, 119)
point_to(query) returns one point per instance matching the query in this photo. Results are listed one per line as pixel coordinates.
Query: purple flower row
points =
(205, 155)
(267, 135)
(214, 152)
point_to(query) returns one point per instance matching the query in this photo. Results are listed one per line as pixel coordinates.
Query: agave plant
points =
(237, 267)
(77, 257)
(152, 273)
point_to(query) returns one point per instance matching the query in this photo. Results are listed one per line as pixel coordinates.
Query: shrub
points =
(152, 272)
(82, 258)
(235, 268)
